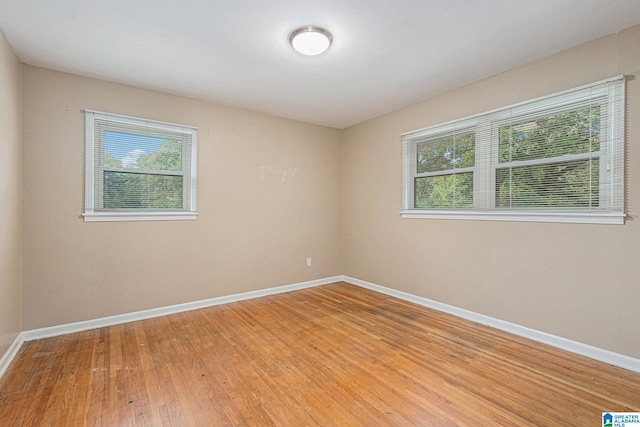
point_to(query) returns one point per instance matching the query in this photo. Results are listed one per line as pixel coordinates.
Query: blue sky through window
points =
(127, 148)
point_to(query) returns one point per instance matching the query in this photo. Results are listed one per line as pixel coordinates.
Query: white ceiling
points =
(386, 54)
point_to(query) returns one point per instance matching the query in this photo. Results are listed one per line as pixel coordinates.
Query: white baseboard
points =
(69, 328)
(592, 352)
(11, 353)
(52, 331)
(606, 356)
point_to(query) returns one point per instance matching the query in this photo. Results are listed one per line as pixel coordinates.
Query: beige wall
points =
(581, 282)
(10, 252)
(258, 221)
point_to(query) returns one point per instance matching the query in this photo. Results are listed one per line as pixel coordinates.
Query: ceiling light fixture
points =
(310, 40)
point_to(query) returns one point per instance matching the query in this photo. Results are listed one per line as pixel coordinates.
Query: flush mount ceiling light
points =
(310, 40)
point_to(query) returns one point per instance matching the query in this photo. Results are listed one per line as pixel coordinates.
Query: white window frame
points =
(611, 209)
(93, 182)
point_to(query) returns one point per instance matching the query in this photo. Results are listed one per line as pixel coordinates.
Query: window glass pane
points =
(446, 153)
(124, 150)
(570, 184)
(571, 132)
(445, 191)
(139, 191)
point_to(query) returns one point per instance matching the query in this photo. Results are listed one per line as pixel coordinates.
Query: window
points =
(554, 159)
(138, 169)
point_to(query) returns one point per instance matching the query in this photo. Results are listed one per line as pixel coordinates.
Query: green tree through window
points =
(558, 183)
(440, 158)
(133, 190)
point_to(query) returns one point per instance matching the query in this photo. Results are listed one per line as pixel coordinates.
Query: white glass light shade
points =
(310, 40)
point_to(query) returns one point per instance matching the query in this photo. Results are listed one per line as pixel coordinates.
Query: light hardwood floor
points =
(335, 355)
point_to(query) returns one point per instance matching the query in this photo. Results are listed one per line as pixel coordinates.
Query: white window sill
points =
(566, 217)
(139, 216)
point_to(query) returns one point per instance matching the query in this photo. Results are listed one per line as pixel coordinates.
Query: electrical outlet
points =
(308, 262)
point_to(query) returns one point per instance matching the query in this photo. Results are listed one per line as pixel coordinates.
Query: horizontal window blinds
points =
(561, 153)
(139, 165)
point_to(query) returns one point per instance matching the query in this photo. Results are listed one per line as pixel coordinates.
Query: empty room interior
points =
(434, 221)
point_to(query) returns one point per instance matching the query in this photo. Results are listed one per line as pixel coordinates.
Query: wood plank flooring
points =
(335, 355)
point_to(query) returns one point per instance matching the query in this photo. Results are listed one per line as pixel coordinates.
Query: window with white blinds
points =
(554, 159)
(137, 169)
